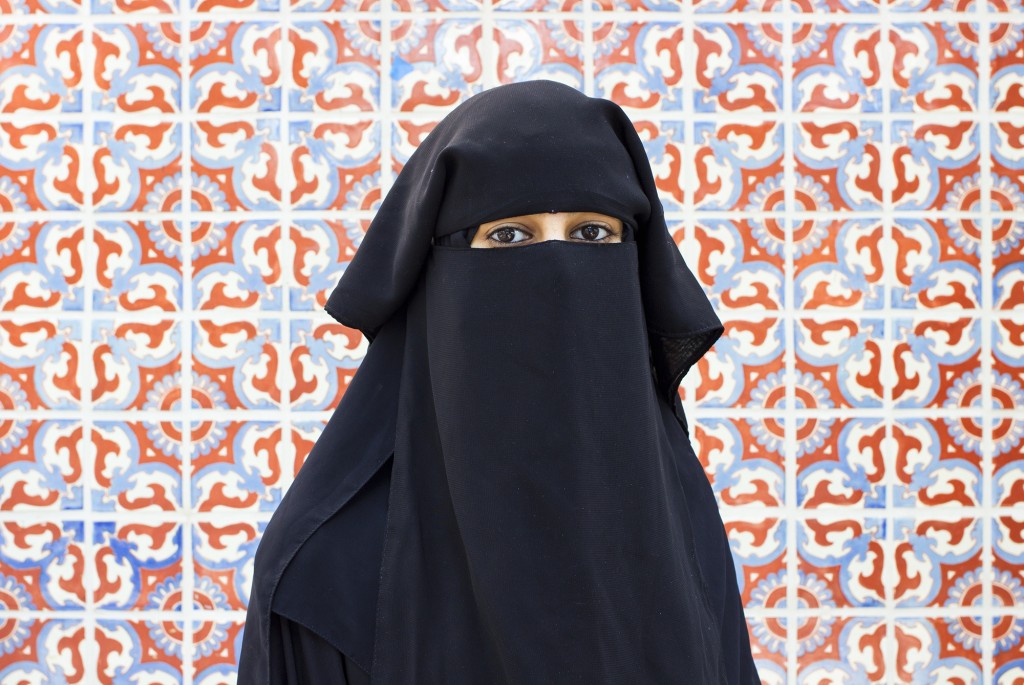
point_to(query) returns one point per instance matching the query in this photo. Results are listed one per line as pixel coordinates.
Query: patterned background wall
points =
(181, 186)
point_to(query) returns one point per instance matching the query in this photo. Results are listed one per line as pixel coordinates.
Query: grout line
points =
(386, 128)
(748, 17)
(889, 571)
(587, 56)
(431, 113)
(389, 16)
(489, 52)
(986, 265)
(734, 214)
(789, 451)
(716, 412)
(188, 565)
(154, 517)
(911, 612)
(90, 454)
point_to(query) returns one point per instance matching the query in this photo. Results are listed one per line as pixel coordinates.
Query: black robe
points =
(499, 562)
(298, 656)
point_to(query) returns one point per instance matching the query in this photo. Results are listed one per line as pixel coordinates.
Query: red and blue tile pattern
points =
(183, 183)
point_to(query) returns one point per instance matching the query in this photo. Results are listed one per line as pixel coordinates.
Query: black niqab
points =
(547, 520)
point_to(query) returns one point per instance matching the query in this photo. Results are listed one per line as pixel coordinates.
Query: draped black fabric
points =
(301, 657)
(545, 518)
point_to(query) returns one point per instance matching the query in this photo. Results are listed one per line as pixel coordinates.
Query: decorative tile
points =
(44, 265)
(336, 163)
(236, 67)
(1008, 382)
(238, 265)
(137, 364)
(41, 465)
(937, 560)
(139, 265)
(1007, 629)
(824, 7)
(840, 161)
(937, 364)
(240, 466)
(841, 462)
(771, 666)
(336, 66)
(737, 68)
(40, 10)
(1008, 555)
(321, 250)
(1008, 439)
(742, 262)
(139, 569)
(44, 364)
(235, 165)
(324, 358)
(841, 362)
(759, 554)
(936, 163)
(936, 263)
(839, 264)
(223, 551)
(842, 560)
(1009, 666)
(530, 49)
(126, 8)
(932, 650)
(36, 85)
(1008, 248)
(226, 6)
(736, 163)
(935, 70)
(666, 149)
(837, 69)
(46, 650)
(139, 650)
(538, 6)
(639, 65)
(366, 8)
(139, 164)
(850, 649)
(741, 469)
(45, 167)
(239, 363)
(137, 465)
(434, 63)
(937, 462)
(745, 368)
(42, 568)
(1007, 54)
(139, 68)
(441, 5)
(217, 644)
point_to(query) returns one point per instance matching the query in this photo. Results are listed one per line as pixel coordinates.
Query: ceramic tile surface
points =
(182, 183)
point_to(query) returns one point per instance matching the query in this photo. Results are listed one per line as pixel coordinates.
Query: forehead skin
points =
(548, 226)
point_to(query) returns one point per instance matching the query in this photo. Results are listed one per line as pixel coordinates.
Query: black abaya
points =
(507, 493)
(301, 657)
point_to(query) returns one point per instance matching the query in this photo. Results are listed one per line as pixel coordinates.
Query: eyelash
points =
(490, 236)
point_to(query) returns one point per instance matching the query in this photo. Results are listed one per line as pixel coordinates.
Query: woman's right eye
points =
(504, 235)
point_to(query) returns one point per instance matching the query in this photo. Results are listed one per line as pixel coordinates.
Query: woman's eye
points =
(505, 234)
(591, 232)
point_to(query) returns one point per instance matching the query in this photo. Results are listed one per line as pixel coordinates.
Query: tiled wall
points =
(181, 185)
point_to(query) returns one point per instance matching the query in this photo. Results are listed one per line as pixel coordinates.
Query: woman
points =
(507, 492)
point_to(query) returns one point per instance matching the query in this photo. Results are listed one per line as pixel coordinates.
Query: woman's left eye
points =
(591, 229)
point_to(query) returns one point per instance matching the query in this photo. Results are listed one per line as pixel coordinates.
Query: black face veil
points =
(543, 495)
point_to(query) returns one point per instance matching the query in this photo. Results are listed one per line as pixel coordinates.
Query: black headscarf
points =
(543, 494)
